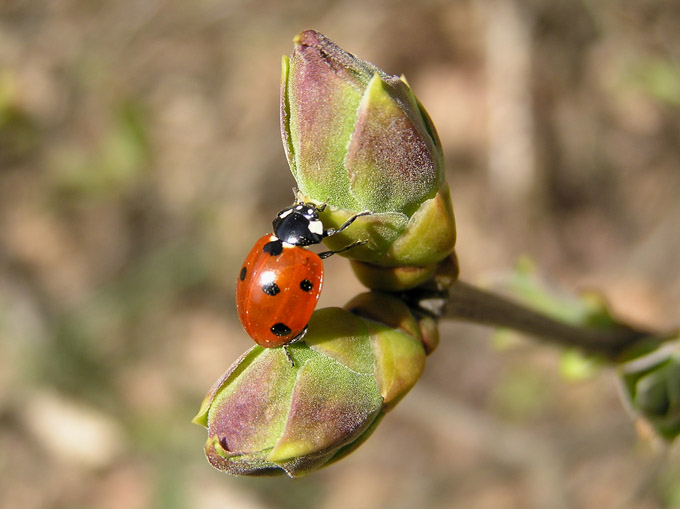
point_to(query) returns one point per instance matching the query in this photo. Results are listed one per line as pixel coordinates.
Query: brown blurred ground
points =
(140, 158)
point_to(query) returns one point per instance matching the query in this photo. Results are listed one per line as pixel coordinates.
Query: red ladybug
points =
(280, 281)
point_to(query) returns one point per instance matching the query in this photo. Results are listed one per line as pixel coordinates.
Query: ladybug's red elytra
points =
(280, 281)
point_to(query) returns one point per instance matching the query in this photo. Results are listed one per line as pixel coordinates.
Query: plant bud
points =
(266, 417)
(357, 139)
(652, 385)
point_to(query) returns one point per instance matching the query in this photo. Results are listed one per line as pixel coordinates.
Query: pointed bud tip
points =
(308, 37)
(201, 418)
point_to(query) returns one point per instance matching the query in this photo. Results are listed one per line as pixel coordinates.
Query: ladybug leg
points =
(298, 337)
(290, 359)
(333, 231)
(326, 254)
(294, 340)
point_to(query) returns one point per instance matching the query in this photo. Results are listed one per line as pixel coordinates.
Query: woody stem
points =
(469, 303)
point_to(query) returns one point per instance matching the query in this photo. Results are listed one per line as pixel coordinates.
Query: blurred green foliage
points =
(658, 77)
(118, 161)
(18, 131)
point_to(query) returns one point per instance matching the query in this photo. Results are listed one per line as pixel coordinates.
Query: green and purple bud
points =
(266, 417)
(358, 139)
(652, 386)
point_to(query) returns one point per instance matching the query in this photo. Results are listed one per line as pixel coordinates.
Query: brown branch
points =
(467, 302)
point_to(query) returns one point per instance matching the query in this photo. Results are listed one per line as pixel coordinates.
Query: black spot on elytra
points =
(306, 285)
(271, 288)
(243, 273)
(274, 248)
(280, 329)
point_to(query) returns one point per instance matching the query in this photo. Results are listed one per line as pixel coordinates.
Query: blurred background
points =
(140, 158)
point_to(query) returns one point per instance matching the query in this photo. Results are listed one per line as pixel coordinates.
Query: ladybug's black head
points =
(299, 225)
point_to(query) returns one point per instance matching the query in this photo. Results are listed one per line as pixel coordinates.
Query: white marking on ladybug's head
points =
(286, 244)
(316, 227)
(273, 238)
(285, 213)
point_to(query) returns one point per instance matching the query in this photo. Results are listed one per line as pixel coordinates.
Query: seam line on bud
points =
(285, 80)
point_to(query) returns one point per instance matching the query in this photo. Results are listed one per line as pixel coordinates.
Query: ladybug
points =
(280, 281)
